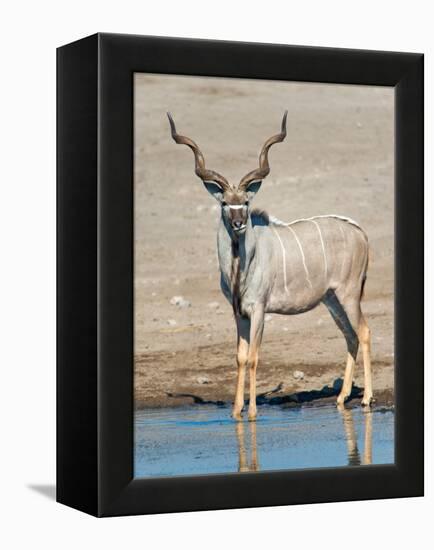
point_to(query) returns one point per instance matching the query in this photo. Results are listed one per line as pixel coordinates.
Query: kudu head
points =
(234, 201)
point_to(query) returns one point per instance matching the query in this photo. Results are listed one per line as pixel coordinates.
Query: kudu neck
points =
(242, 245)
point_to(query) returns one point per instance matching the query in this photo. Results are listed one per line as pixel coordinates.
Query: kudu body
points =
(268, 266)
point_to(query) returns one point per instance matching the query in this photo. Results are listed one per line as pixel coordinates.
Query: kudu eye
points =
(224, 203)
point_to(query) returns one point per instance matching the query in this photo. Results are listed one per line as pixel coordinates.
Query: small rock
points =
(180, 301)
(298, 374)
(214, 305)
(202, 380)
(359, 125)
(285, 329)
(208, 336)
(268, 318)
(153, 294)
(171, 322)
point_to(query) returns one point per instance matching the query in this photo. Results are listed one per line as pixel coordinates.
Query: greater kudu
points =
(268, 266)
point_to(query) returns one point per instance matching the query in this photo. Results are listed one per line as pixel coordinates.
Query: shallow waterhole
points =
(195, 440)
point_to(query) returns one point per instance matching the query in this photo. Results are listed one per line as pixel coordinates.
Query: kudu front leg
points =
(243, 329)
(256, 331)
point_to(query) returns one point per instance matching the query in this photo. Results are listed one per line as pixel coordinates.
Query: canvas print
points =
(263, 275)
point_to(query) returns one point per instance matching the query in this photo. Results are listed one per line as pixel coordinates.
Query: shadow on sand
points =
(301, 397)
(197, 400)
(290, 399)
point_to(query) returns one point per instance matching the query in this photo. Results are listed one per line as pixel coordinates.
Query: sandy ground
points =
(337, 159)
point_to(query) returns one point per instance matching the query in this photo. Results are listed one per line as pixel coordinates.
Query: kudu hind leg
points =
(243, 329)
(365, 341)
(346, 316)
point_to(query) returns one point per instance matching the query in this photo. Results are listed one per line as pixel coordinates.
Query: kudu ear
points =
(253, 188)
(214, 189)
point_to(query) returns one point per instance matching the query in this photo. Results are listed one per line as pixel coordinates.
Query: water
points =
(204, 439)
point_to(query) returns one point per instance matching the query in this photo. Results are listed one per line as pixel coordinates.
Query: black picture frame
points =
(95, 274)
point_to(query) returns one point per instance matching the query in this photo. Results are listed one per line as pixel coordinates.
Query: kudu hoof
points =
(341, 400)
(367, 401)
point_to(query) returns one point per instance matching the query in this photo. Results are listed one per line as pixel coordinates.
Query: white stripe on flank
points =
(345, 247)
(283, 260)
(236, 206)
(323, 247)
(343, 218)
(302, 254)
(276, 221)
(343, 236)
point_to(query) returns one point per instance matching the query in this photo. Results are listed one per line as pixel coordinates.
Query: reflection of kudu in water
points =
(243, 464)
(268, 266)
(354, 458)
(350, 433)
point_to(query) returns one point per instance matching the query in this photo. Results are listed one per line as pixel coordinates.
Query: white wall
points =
(30, 32)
